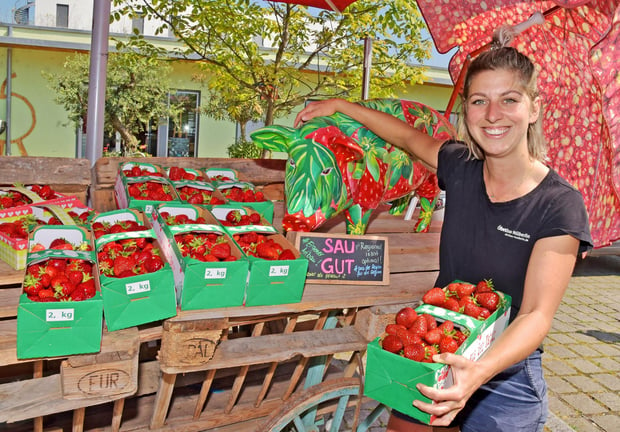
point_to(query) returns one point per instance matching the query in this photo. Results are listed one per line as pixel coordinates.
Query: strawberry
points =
(409, 338)
(448, 344)
(473, 310)
(435, 296)
(221, 250)
(414, 352)
(447, 327)
(392, 343)
(460, 337)
(255, 218)
(287, 254)
(433, 336)
(233, 216)
(153, 264)
(406, 316)
(464, 289)
(267, 251)
(431, 323)
(32, 285)
(419, 326)
(452, 304)
(122, 265)
(489, 300)
(484, 286)
(395, 329)
(430, 351)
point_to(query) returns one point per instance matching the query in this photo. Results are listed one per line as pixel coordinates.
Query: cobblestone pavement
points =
(582, 353)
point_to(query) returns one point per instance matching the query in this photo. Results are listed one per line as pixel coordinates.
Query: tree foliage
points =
(136, 93)
(311, 53)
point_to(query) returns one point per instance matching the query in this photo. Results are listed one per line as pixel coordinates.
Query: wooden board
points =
(113, 372)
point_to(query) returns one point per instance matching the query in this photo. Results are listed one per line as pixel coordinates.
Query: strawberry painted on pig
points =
(337, 165)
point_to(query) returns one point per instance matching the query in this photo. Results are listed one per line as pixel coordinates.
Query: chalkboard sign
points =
(344, 258)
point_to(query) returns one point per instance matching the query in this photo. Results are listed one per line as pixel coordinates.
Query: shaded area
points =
(602, 335)
(608, 265)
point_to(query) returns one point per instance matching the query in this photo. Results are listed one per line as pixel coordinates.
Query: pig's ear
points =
(274, 138)
(345, 147)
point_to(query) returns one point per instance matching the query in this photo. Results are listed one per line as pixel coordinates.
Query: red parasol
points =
(575, 48)
(335, 5)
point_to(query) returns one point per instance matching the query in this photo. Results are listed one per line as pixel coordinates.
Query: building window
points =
(183, 127)
(62, 15)
(137, 24)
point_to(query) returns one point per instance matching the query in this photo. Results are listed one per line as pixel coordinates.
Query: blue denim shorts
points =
(515, 400)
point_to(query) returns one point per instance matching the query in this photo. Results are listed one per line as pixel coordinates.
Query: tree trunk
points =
(131, 142)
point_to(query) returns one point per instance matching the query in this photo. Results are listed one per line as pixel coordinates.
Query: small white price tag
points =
(278, 271)
(59, 315)
(138, 287)
(215, 273)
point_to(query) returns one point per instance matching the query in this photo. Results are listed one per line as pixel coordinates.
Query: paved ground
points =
(582, 353)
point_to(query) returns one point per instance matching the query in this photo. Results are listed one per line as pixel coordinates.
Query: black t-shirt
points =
(485, 240)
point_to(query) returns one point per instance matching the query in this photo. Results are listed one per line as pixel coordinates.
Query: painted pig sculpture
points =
(335, 164)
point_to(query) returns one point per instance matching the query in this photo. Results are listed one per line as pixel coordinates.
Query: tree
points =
(136, 93)
(313, 53)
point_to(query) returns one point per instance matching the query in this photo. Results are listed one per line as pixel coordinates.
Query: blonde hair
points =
(506, 58)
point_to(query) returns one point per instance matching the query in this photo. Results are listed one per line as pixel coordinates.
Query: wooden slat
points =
(45, 170)
(272, 348)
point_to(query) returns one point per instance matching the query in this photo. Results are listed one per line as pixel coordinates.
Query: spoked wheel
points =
(320, 408)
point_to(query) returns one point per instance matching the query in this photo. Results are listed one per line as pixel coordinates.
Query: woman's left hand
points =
(448, 402)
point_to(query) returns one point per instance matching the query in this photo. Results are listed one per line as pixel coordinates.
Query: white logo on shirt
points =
(514, 234)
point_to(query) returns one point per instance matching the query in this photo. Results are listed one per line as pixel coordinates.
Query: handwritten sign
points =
(344, 258)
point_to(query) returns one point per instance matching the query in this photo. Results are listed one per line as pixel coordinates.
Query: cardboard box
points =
(201, 285)
(139, 299)
(391, 378)
(14, 251)
(265, 208)
(59, 328)
(273, 282)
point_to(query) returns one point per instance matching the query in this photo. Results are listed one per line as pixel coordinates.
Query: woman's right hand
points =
(319, 109)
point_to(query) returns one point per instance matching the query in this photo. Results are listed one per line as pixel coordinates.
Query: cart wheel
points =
(316, 409)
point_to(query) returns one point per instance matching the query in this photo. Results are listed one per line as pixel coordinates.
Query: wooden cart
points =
(236, 369)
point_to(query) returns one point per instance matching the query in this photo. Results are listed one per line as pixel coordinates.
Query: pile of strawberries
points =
(262, 246)
(181, 219)
(16, 199)
(103, 228)
(80, 218)
(205, 247)
(236, 218)
(419, 336)
(138, 171)
(478, 301)
(129, 257)
(194, 195)
(243, 194)
(177, 173)
(59, 279)
(151, 190)
(221, 178)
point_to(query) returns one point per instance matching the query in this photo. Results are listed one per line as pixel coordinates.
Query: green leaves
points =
(313, 180)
